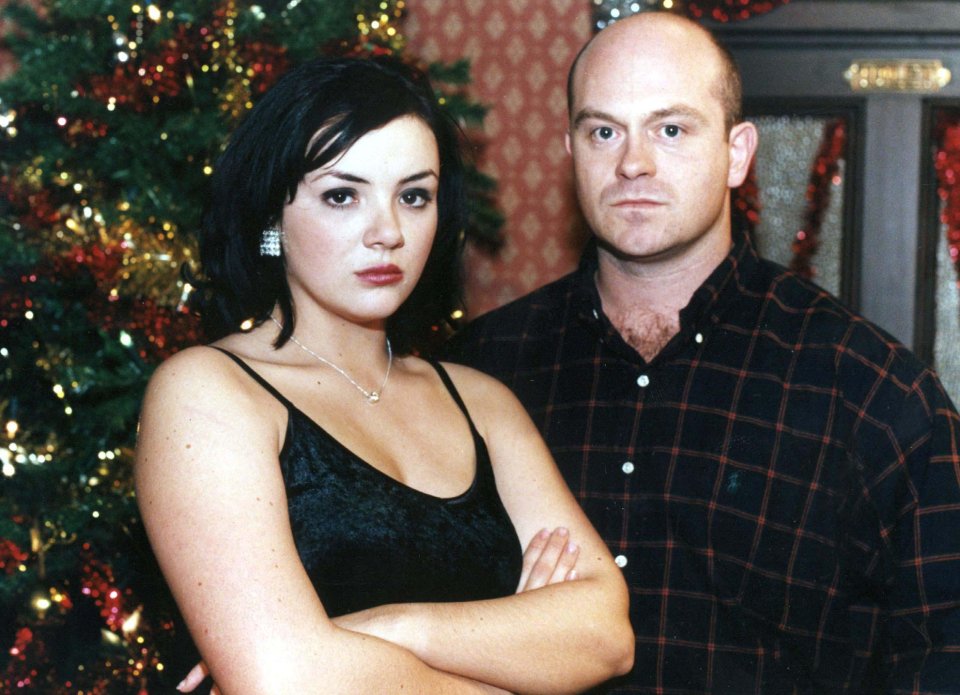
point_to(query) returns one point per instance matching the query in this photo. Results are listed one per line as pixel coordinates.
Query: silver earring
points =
(270, 242)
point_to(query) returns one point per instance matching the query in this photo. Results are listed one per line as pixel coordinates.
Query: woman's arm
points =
(563, 637)
(549, 558)
(213, 503)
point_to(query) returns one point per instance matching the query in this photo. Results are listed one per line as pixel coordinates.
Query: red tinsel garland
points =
(28, 660)
(11, 556)
(731, 10)
(35, 209)
(947, 165)
(825, 169)
(140, 84)
(159, 330)
(165, 329)
(745, 202)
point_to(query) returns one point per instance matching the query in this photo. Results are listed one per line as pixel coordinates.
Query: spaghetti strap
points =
(448, 382)
(256, 377)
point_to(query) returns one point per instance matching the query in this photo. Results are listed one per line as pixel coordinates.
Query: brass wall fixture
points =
(897, 76)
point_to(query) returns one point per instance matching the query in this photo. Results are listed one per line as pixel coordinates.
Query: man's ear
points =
(743, 146)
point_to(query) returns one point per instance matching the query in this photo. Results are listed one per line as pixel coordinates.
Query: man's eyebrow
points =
(681, 110)
(593, 114)
(674, 111)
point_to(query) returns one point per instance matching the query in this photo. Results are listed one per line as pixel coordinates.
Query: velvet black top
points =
(367, 539)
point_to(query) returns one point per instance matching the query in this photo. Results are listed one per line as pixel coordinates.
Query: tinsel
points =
(608, 11)
(731, 10)
(947, 165)
(745, 203)
(824, 170)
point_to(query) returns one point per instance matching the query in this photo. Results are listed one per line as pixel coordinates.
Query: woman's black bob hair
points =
(270, 153)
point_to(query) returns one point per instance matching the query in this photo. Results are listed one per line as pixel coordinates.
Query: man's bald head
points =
(634, 34)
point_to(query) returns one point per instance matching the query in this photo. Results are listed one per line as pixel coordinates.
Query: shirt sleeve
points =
(920, 528)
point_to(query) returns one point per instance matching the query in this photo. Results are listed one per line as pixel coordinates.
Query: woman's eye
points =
(339, 197)
(416, 197)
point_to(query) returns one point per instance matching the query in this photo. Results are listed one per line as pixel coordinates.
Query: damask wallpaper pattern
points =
(520, 51)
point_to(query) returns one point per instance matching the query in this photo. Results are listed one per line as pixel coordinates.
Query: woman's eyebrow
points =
(342, 175)
(426, 173)
(353, 178)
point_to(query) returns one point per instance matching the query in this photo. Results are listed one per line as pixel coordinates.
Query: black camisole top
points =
(367, 539)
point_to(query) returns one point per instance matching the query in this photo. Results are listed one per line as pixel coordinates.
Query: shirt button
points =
(698, 337)
(627, 467)
(643, 381)
(621, 561)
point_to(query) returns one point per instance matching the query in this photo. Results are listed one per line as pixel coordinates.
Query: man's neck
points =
(643, 298)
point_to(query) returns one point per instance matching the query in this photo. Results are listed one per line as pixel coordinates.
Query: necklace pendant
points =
(371, 396)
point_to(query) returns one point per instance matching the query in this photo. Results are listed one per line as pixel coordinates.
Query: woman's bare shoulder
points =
(193, 362)
(204, 378)
(470, 379)
(488, 400)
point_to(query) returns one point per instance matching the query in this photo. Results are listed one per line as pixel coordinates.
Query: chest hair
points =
(646, 331)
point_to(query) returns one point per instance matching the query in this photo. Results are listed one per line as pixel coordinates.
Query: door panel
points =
(896, 64)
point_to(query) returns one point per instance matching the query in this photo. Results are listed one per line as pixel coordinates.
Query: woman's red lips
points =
(381, 275)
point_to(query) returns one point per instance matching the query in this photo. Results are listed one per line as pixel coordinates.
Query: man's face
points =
(651, 156)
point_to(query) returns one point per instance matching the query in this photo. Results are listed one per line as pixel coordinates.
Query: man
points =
(778, 479)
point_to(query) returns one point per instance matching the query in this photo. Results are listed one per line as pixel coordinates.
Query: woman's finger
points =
(194, 678)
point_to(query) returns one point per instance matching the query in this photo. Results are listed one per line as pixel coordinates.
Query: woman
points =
(331, 512)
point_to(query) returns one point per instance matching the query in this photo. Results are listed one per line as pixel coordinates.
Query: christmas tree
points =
(109, 129)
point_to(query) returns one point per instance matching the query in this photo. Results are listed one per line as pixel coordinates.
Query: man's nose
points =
(637, 158)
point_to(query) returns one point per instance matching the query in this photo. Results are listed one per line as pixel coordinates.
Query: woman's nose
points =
(385, 229)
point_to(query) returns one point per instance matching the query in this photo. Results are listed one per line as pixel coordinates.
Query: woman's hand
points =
(195, 678)
(550, 558)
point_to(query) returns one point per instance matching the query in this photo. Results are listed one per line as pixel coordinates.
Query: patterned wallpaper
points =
(519, 51)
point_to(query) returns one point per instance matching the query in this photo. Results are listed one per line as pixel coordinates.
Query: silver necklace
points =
(371, 396)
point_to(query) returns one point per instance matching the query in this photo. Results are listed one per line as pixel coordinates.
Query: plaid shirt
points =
(780, 485)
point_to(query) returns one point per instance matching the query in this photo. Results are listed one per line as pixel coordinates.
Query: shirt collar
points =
(724, 285)
(707, 305)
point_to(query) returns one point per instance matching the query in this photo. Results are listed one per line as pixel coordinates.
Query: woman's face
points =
(359, 230)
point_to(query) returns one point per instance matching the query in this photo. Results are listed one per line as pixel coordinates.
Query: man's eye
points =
(671, 131)
(604, 132)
